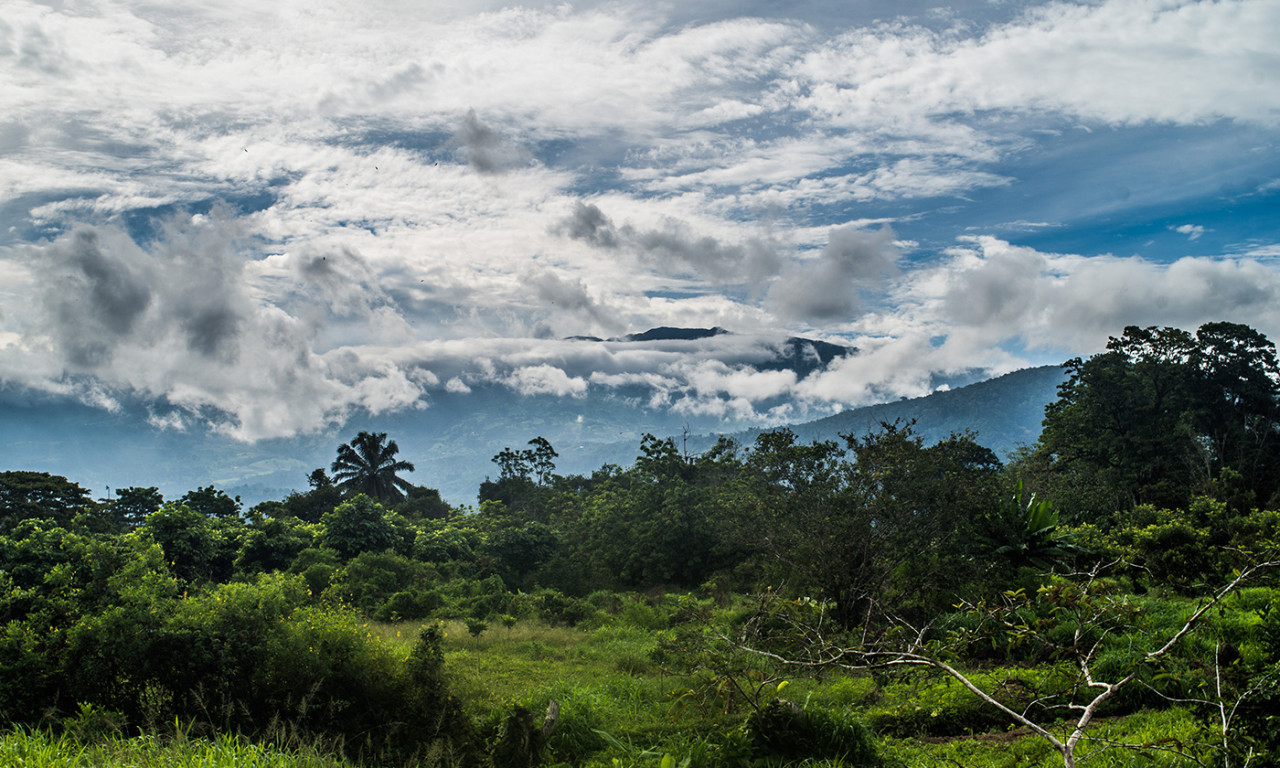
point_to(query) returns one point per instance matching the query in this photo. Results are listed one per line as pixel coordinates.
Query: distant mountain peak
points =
(666, 333)
(802, 355)
(662, 333)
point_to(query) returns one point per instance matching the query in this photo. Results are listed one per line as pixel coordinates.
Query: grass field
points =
(606, 680)
(620, 709)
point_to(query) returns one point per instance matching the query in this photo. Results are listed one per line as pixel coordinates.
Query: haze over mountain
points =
(453, 440)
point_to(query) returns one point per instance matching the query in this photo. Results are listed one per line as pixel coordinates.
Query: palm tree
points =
(368, 465)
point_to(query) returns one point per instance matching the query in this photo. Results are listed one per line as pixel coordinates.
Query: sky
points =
(262, 218)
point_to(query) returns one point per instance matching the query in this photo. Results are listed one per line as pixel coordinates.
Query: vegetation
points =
(368, 465)
(873, 601)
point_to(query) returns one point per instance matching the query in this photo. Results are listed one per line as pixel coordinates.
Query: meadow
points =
(622, 705)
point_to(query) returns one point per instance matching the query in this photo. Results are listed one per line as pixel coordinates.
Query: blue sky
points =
(265, 217)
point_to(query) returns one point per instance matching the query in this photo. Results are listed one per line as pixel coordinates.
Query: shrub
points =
(642, 615)
(357, 525)
(248, 657)
(782, 729)
(554, 608)
(408, 605)
(371, 578)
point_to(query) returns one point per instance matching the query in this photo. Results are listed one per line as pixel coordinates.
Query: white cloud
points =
(830, 287)
(1122, 61)
(421, 194)
(457, 386)
(996, 291)
(546, 380)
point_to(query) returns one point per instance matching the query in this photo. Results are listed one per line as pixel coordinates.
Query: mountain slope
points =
(1004, 412)
(451, 441)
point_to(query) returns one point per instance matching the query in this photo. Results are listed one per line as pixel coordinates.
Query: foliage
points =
(43, 749)
(1027, 534)
(923, 565)
(424, 504)
(239, 658)
(1163, 415)
(130, 507)
(25, 495)
(197, 547)
(517, 552)
(888, 528)
(368, 465)
(537, 462)
(782, 729)
(312, 505)
(371, 580)
(271, 544)
(357, 525)
(211, 502)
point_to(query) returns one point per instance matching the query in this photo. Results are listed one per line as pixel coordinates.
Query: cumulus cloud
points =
(991, 291)
(571, 296)
(176, 320)
(100, 292)
(829, 288)
(486, 149)
(93, 300)
(421, 197)
(546, 379)
(589, 224)
(675, 247)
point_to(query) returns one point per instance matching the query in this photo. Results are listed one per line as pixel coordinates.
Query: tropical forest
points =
(1105, 596)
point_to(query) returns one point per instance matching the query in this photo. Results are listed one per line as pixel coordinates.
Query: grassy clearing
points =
(605, 681)
(620, 710)
(1161, 734)
(40, 749)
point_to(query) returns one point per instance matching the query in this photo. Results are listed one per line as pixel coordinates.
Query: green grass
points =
(620, 709)
(40, 749)
(1160, 733)
(605, 681)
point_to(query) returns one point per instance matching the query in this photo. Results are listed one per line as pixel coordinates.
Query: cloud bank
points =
(266, 218)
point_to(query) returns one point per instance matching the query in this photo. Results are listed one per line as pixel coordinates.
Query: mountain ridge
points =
(452, 441)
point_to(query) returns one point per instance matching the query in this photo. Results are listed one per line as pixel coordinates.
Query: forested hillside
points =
(830, 595)
(1003, 413)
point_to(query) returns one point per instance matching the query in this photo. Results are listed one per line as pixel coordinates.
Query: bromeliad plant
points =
(1027, 533)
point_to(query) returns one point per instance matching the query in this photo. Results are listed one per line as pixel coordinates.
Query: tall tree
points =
(1162, 415)
(26, 495)
(368, 465)
(884, 524)
(1239, 416)
(130, 507)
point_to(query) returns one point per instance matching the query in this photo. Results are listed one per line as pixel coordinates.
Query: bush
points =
(409, 605)
(554, 608)
(782, 729)
(643, 616)
(370, 580)
(249, 658)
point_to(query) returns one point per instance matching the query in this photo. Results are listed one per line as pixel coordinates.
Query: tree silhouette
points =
(368, 465)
